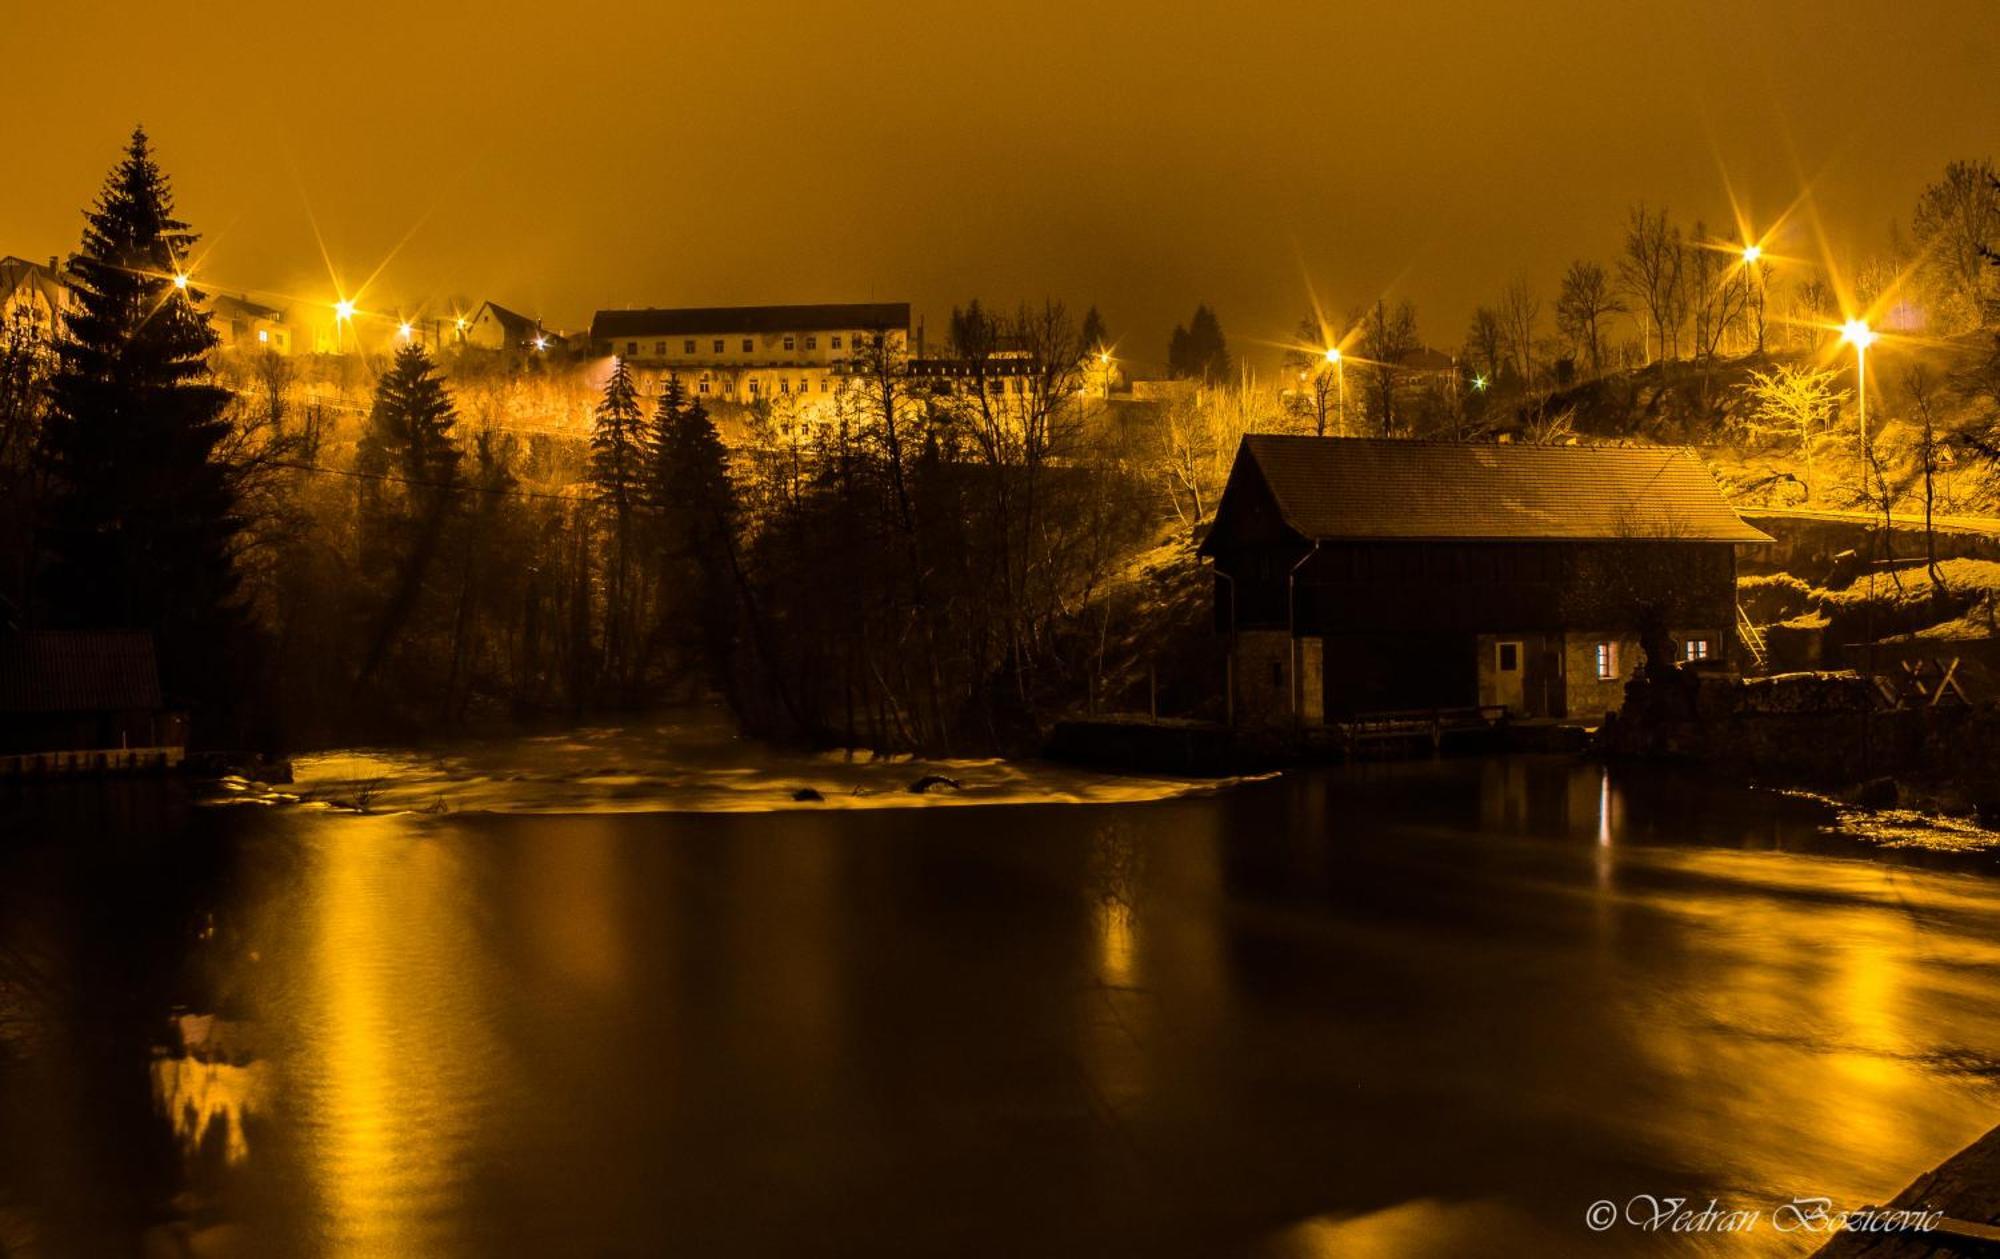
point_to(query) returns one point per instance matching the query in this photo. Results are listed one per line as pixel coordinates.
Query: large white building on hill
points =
(743, 354)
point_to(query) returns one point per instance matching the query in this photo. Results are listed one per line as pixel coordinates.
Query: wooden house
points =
(1357, 575)
(84, 700)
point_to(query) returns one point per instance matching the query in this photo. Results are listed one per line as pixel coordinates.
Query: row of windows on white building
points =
(720, 345)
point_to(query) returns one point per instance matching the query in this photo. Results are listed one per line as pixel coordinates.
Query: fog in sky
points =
(1142, 157)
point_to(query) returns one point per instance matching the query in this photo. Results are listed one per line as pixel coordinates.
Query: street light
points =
(1334, 357)
(405, 330)
(181, 281)
(1858, 334)
(1752, 254)
(1104, 365)
(343, 314)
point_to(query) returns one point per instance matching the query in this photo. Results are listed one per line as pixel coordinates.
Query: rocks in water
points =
(1876, 793)
(807, 795)
(931, 782)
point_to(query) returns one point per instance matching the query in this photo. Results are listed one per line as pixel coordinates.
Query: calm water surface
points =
(1422, 1009)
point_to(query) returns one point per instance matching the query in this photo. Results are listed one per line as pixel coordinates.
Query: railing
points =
(1752, 639)
(1418, 723)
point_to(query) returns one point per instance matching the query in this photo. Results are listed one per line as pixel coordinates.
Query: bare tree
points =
(1585, 302)
(1715, 293)
(1317, 379)
(1650, 270)
(1520, 311)
(1485, 343)
(1387, 338)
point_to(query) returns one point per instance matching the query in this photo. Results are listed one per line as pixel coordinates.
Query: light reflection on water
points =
(1411, 1009)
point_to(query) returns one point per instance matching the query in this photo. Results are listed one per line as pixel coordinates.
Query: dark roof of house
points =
(1345, 487)
(245, 307)
(511, 322)
(78, 671)
(609, 325)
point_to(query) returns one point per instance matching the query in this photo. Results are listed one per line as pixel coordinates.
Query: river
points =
(1428, 1008)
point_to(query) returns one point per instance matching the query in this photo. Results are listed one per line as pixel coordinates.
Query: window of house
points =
(788, 343)
(1695, 649)
(834, 340)
(1510, 657)
(753, 386)
(812, 343)
(718, 345)
(659, 349)
(822, 384)
(687, 346)
(1607, 661)
(631, 349)
(749, 344)
(784, 386)
(704, 386)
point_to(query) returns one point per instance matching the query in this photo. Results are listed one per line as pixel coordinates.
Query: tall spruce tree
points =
(695, 501)
(408, 459)
(617, 472)
(141, 518)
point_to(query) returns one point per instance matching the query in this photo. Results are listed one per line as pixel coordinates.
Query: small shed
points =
(85, 691)
(1357, 575)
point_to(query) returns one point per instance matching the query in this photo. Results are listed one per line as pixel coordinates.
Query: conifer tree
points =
(617, 469)
(141, 519)
(408, 459)
(696, 503)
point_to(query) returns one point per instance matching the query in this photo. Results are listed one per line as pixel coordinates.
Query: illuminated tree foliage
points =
(141, 520)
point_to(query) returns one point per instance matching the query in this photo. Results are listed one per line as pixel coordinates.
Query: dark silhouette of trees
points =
(141, 520)
(1651, 270)
(1199, 351)
(1388, 336)
(616, 474)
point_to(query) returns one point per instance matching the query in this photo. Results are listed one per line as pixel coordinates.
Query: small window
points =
(784, 386)
(631, 349)
(1695, 649)
(834, 340)
(812, 343)
(1607, 661)
(687, 346)
(704, 385)
(1510, 657)
(718, 345)
(822, 384)
(753, 386)
(788, 343)
(749, 344)
(659, 349)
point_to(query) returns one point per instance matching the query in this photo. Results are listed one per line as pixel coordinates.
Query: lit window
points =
(1695, 649)
(1607, 661)
(812, 343)
(788, 343)
(749, 344)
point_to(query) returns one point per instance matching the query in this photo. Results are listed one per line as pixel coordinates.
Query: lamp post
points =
(1753, 254)
(1333, 356)
(1858, 334)
(1104, 366)
(343, 314)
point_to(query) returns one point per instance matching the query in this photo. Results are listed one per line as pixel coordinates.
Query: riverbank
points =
(1958, 1202)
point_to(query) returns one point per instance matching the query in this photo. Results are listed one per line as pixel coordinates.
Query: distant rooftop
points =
(612, 325)
(81, 671)
(1330, 488)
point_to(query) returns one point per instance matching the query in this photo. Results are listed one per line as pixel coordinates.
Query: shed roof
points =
(1347, 488)
(78, 671)
(609, 325)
